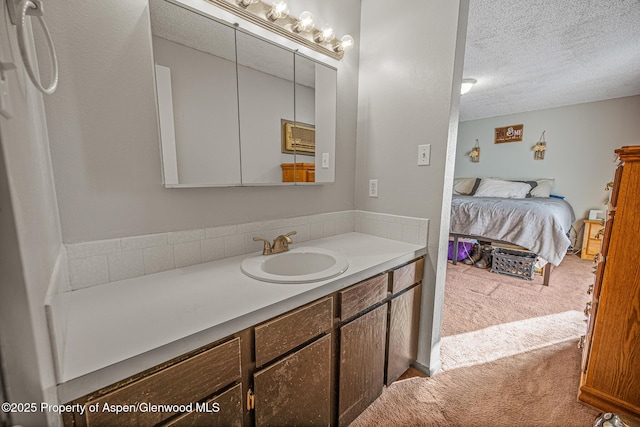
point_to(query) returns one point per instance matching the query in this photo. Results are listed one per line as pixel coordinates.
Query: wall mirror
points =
(266, 94)
(236, 109)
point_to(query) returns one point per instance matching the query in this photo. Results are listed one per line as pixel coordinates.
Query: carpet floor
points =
(508, 351)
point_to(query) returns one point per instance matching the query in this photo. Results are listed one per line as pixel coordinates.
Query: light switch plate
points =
(325, 160)
(424, 154)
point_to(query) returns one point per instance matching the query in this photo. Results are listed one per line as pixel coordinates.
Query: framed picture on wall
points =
(511, 133)
(298, 137)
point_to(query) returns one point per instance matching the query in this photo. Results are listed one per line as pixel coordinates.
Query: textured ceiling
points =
(534, 54)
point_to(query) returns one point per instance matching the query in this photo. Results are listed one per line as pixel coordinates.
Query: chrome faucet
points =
(280, 244)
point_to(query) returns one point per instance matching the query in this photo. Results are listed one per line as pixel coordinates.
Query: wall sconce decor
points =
(539, 148)
(275, 17)
(475, 152)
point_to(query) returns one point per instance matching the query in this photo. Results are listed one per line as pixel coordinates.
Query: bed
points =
(526, 218)
(538, 224)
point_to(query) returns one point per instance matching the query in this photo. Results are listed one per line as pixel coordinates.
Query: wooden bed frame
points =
(546, 270)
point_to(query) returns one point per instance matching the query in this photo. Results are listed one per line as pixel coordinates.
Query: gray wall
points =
(30, 242)
(407, 66)
(205, 115)
(104, 138)
(580, 143)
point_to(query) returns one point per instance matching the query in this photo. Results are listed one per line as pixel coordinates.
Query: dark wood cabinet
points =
(177, 385)
(610, 378)
(404, 319)
(284, 333)
(362, 352)
(320, 364)
(295, 387)
(296, 391)
(223, 410)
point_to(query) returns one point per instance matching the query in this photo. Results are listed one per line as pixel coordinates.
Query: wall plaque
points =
(511, 133)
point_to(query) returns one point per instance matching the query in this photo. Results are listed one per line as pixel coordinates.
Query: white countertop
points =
(121, 328)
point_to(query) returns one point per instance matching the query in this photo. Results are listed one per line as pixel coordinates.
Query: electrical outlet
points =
(424, 154)
(373, 188)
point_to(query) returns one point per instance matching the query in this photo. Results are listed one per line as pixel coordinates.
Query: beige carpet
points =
(509, 355)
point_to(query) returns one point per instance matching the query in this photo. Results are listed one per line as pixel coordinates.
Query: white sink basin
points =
(299, 265)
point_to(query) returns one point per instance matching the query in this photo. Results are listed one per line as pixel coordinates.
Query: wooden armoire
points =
(610, 379)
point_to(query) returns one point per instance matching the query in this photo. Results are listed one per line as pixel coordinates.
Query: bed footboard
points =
(546, 270)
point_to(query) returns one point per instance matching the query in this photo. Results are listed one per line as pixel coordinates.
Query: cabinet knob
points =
(590, 290)
(587, 309)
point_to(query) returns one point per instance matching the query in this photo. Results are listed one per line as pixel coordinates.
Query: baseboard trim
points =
(429, 371)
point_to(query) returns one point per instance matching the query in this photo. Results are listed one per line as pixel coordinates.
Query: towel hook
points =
(34, 8)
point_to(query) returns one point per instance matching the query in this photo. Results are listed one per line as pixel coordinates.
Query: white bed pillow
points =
(543, 189)
(498, 188)
(463, 186)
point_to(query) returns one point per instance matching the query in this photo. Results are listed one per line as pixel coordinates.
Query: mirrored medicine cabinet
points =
(236, 109)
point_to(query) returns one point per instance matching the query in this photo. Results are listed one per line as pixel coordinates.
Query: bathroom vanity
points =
(221, 348)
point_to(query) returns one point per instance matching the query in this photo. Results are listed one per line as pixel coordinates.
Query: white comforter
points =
(538, 224)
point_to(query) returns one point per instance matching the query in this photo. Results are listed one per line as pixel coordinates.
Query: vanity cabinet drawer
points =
(407, 276)
(224, 409)
(359, 297)
(185, 382)
(284, 333)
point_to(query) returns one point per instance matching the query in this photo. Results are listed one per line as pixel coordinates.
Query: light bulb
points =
(305, 22)
(245, 3)
(345, 43)
(278, 11)
(324, 35)
(327, 33)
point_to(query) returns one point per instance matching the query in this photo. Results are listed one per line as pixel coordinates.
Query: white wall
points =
(31, 242)
(104, 137)
(407, 67)
(580, 143)
(205, 107)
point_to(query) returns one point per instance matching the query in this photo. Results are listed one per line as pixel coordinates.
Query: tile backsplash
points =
(102, 261)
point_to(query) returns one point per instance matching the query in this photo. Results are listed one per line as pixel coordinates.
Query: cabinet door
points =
(223, 410)
(404, 321)
(362, 351)
(297, 389)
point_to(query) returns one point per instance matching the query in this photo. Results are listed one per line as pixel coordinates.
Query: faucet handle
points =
(266, 250)
(285, 237)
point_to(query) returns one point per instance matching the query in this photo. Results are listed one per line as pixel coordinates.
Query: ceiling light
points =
(304, 23)
(278, 11)
(467, 84)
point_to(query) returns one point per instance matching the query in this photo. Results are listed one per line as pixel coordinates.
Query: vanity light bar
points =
(275, 17)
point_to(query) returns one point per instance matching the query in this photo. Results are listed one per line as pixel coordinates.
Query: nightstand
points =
(592, 238)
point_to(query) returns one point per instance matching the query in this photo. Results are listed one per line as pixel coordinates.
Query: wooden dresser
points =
(610, 379)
